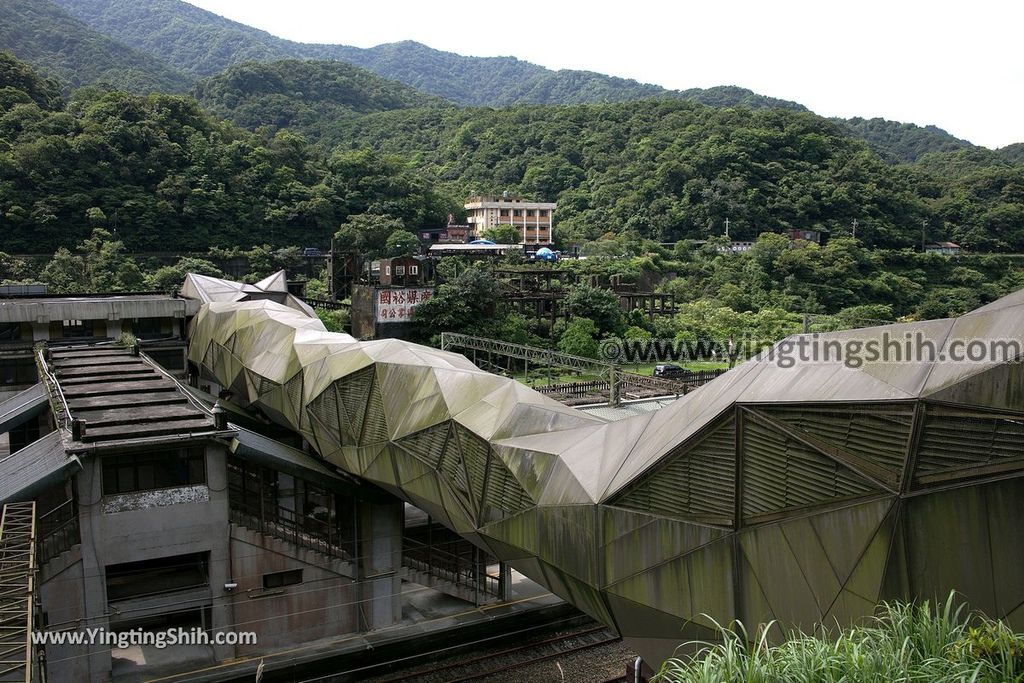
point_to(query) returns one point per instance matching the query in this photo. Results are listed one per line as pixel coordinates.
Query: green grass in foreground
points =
(902, 643)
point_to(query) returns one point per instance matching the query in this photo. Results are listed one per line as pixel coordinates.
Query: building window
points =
(77, 328)
(414, 270)
(504, 212)
(160, 575)
(387, 270)
(399, 270)
(153, 470)
(543, 213)
(282, 579)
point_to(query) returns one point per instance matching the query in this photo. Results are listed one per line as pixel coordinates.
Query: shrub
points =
(905, 642)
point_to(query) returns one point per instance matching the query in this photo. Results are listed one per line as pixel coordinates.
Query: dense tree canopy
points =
(201, 43)
(902, 142)
(671, 170)
(305, 95)
(162, 174)
(62, 46)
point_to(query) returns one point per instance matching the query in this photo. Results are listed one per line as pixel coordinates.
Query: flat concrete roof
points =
(475, 247)
(112, 307)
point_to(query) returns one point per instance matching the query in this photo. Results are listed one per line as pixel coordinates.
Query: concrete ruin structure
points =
(157, 321)
(798, 493)
(152, 516)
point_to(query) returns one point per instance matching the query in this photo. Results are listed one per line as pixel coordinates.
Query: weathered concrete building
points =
(155, 513)
(532, 219)
(162, 505)
(158, 321)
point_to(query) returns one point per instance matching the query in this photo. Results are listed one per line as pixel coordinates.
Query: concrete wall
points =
(324, 604)
(361, 312)
(152, 531)
(64, 607)
(96, 308)
(335, 597)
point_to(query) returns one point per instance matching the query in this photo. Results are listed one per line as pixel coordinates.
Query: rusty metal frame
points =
(17, 589)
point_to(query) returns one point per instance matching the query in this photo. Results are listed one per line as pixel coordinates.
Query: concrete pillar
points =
(504, 581)
(94, 591)
(222, 616)
(111, 328)
(380, 561)
(40, 330)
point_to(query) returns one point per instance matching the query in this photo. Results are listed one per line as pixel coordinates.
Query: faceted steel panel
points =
(802, 494)
(780, 473)
(699, 482)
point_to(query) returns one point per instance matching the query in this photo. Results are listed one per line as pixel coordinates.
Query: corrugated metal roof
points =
(281, 456)
(21, 407)
(34, 468)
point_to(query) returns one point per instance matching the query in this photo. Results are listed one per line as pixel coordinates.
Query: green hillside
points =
(672, 170)
(163, 174)
(306, 95)
(902, 142)
(58, 44)
(202, 44)
(1013, 153)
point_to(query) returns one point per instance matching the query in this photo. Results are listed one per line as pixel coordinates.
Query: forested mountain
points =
(202, 44)
(307, 95)
(1013, 153)
(43, 34)
(671, 170)
(21, 85)
(160, 173)
(502, 81)
(902, 142)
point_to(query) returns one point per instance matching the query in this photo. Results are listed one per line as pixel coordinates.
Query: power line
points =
(233, 626)
(85, 619)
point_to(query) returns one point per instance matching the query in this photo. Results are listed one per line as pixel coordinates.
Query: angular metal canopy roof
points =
(802, 495)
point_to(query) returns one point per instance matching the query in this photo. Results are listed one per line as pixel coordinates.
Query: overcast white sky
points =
(959, 66)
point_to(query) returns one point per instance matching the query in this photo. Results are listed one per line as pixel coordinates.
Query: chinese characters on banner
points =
(395, 305)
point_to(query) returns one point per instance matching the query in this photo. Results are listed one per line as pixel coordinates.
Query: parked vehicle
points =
(669, 371)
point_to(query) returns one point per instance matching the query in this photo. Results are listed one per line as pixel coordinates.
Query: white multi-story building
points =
(532, 219)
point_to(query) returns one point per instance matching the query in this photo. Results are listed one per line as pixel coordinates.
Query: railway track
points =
(509, 659)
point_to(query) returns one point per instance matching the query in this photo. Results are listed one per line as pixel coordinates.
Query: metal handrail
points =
(447, 565)
(52, 526)
(287, 525)
(64, 418)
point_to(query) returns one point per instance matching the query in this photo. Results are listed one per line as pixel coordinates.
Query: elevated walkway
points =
(29, 471)
(22, 407)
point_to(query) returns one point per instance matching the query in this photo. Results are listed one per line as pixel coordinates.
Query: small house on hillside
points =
(401, 271)
(944, 248)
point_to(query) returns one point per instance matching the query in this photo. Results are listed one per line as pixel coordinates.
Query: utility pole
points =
(924, 228)
(854, 228)
(726, 227)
